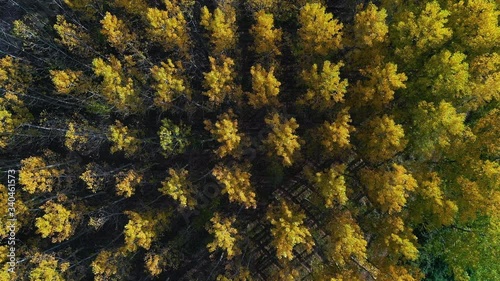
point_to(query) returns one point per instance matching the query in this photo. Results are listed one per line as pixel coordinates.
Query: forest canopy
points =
(250, 140)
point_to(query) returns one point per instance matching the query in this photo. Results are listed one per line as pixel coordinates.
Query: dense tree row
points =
(252, 140)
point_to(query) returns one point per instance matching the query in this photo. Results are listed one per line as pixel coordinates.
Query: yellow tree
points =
(58, 222)
(432, 206)
(265, 87)
(345, 239)
(435, 127)
(389, 188)
(485, 80)
(82, 137)
(36, 176)
(142, 229)
(47, 267)
(117, 33)
(127, 182)
(116, 87)
(123, 139)
(475, 25)
(15, 76)
(282, 139)
(226, 236)
(14, 79)
(335, 136)
(415, 35)
(17, 210)
(109, 265)
(381, 139)
(266, 37)
(169, 27)
(447, 77)
(219, 82)
(236, 183)
(225, 131)
(319, 33)
(178, 186)
(93, 177)
(370, 27)
(72, 36)
(379, 89)
(487, 131)
(330, 184)
(398, 243)
(325, 87)
(170, 83)
(67, 81)
(288, 229)
(221, 24)
(13, 113)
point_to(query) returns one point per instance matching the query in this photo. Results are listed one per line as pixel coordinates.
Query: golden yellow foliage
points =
(236, 182)
(116, 87)
(179, 188)
(75, 140)
(436, 126)
(36, 176)
(222, 27)
(105, 266)
(225, 131)
(487, 132)
(331, 185)
(345, 239)
(325, 87)
(265, 87)
(443, 210)
(47, 268)
(154, 264)
(383, 138)
(220, 81)
(288, 229)
(417, 35)
(448, 75)
(15, 76)
(117, 33)
(126, 183)
(397, 238)
(319, 32)
(225, 234)
(139, 232)
(335, 136)
(72, 36)
(282, 140)
(370, 26)
(7, 213)
(170, 83)
(65, 81)
(389, 189)
(142, 229)
(379, 89)
(13, 113)
(266, 37)
(57, 222)
(169, 27)
(485, 77)
(475, 24)
(123, 139)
